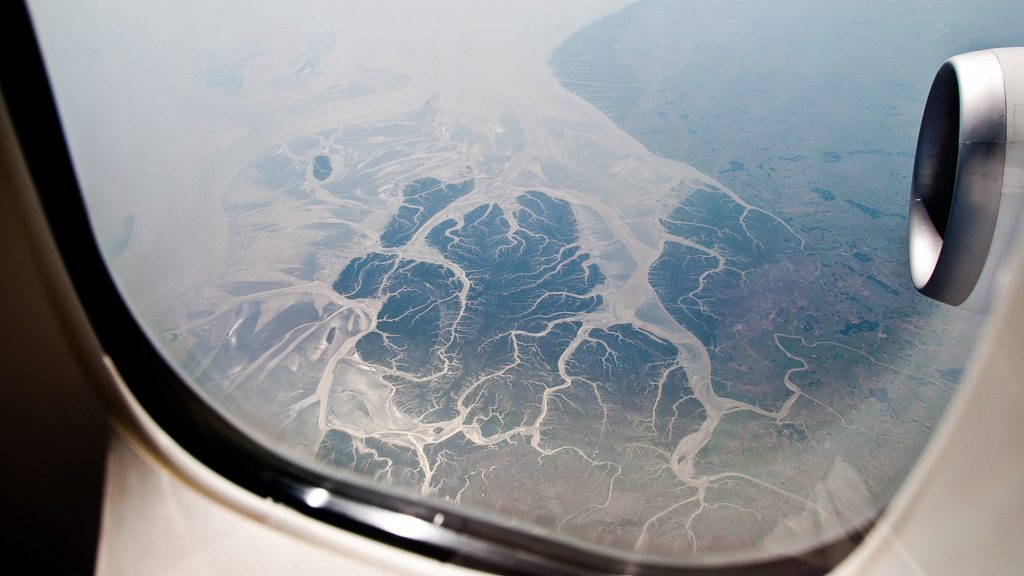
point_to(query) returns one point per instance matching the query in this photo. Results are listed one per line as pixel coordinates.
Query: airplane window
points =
(629, 277)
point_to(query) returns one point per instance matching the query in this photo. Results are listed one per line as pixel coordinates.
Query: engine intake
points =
(966, 193)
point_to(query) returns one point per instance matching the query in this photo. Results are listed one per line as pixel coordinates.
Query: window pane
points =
(630, 274)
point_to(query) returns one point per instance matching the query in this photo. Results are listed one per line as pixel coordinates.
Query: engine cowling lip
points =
(957, 177)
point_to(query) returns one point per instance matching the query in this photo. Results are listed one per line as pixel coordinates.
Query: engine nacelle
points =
(967, 192)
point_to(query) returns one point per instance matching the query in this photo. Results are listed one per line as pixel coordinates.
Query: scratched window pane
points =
(631, 274)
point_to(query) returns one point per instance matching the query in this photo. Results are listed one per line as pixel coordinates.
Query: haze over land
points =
(586, 266)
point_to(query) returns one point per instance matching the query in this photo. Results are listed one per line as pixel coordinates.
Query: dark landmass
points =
(321, 167)
(423, 199)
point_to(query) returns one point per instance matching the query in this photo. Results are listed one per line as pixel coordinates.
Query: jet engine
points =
(967, 191)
